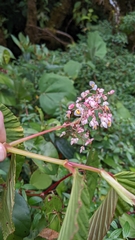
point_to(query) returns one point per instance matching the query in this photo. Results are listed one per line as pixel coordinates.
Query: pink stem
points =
(81, 166)
(14, 143)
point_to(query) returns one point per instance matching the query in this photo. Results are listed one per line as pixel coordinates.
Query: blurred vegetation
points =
(49, 52)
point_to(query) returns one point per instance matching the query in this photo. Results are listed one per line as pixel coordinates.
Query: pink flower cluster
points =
(93, 111)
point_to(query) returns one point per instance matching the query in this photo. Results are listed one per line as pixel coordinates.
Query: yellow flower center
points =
(78, 112)
(109, 124)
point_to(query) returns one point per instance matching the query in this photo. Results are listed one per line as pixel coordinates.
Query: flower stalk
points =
(21, 140)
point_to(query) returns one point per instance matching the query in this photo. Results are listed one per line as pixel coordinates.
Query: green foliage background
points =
(37, 87)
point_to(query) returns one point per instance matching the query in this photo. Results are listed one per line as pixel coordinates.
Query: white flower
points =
(93, 123)
(74, 141)
(100, 90)
(77, 112)
(105, 103)
(84, 121)
(89, 141)
(93, 85)
(62, 134)
(82, 148)
(84, 94)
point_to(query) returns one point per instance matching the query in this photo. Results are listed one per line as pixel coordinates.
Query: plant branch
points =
(124, 194)
(49, 189)
(34, 155)
(14, 143)
(81, 166)
(65, 163)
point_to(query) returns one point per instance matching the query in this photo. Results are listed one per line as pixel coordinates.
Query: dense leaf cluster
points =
(38, 87)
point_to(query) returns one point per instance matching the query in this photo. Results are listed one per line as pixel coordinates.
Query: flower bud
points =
(111, 92)
(71, 106)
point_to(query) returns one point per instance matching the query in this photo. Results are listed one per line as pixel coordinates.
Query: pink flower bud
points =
(111, 92)
(68, 114)
(71, 106)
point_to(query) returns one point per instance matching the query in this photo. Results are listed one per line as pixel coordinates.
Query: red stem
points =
(52, 187)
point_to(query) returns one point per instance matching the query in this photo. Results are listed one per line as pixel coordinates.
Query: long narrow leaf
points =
(92, 177)
(101, 220)
(12, 125)
(127, 180)
(75, 225)
(14, 131)
(7, 203)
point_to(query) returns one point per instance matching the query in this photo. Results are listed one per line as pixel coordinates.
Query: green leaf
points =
(122, 111)
(16, 41)
(54, 88)
(77, 5)
(24, 39)
(126, 230)
(53, 67)
(52, 203)
(126, 195)
(35, 200)
(13, 128)
(40, 180)
(114, 224)
(28, 186)
(14, 237)
(4, 166)
(47, 168)
(92, 177)
(10, 237)
(24, 89)
(7, 202)
(21, 216)
(14, 131)
(131, 221)
(6, 81)
(7, 98)
(61, 188)
(91, 65)
(121, 207)
(102, 218)
(115, 234)
(110, 162)
(75, 225)
(5, 55)
(54, 221)
(72, 68)
(49, 150)
(39, 145)
(65, 147)
(127, 180)
(96, 45)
